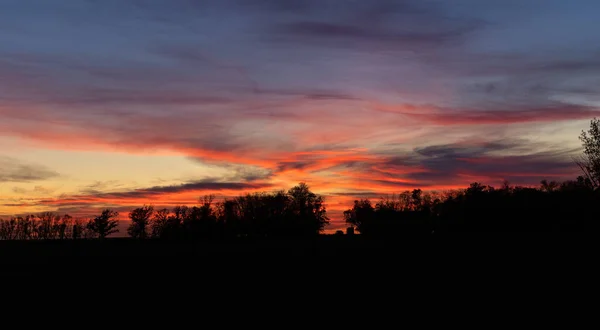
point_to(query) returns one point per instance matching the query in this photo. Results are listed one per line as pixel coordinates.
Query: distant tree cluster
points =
(297, 212)
(406, 212)
(571, 206)
(51, 226)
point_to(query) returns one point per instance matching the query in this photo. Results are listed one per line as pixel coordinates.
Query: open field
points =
(128, 256)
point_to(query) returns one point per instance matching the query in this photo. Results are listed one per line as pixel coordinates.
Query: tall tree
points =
(78, 229)
(308, 209)
(104, 224)
(589, 162)
(361, 215)
(201, 221)
(159, 223)
(48, 225)
(140, 221)
(8, 229)
(64, 227)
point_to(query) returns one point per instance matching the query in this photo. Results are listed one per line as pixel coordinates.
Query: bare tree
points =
(8, 229)
(65, 227)
(140, 221)
(26, 227)
(78, 230)
(159, 223)
(48, 225)
(104, 224)
(589, 162)
(549, 186)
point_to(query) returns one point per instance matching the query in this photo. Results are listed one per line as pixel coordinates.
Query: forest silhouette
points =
(569, 206)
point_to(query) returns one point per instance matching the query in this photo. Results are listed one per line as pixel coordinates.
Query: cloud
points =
(99, 187)
(19, 190)
(198, 186)
(12, 204)
(516, 161)
(12, 170)
(449, 116)
(236, 172)
(358, 194)
(525, 64)
(37, 191)
(251, 174)
(377, 25)
(310, 94)
(151, 193)
(370, 34)
(295, 165)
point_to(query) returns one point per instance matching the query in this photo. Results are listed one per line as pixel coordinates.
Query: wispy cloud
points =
(13, 170)
(450, 116)
(516, 161)
(184, 193)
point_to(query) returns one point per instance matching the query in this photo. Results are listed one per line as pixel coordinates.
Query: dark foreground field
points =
(245, 256)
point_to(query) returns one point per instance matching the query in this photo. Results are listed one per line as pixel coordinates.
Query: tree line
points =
(52, 226)
(297, 212)
(569, 206)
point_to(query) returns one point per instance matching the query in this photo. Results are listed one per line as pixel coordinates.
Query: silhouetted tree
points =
(8, 229)
(589, 162)
(257, 215)
(361, 216)
(295, 212)
(307, 210)
(549, 186)
(569, 206)
(104, 224)
(64, 227)
(48, 225)
(172, 228)
(159, 223)
(407, 212)
(140, 221)
(26, 227)
(79, 229)
(201, 221)
(229, 214)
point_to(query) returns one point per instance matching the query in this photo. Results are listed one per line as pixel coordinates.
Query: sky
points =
(120, 103)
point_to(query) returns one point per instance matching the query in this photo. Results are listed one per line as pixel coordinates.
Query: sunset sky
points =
(120, 103)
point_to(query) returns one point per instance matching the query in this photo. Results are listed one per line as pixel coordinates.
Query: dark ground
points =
(329, 275)
(139, 256)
